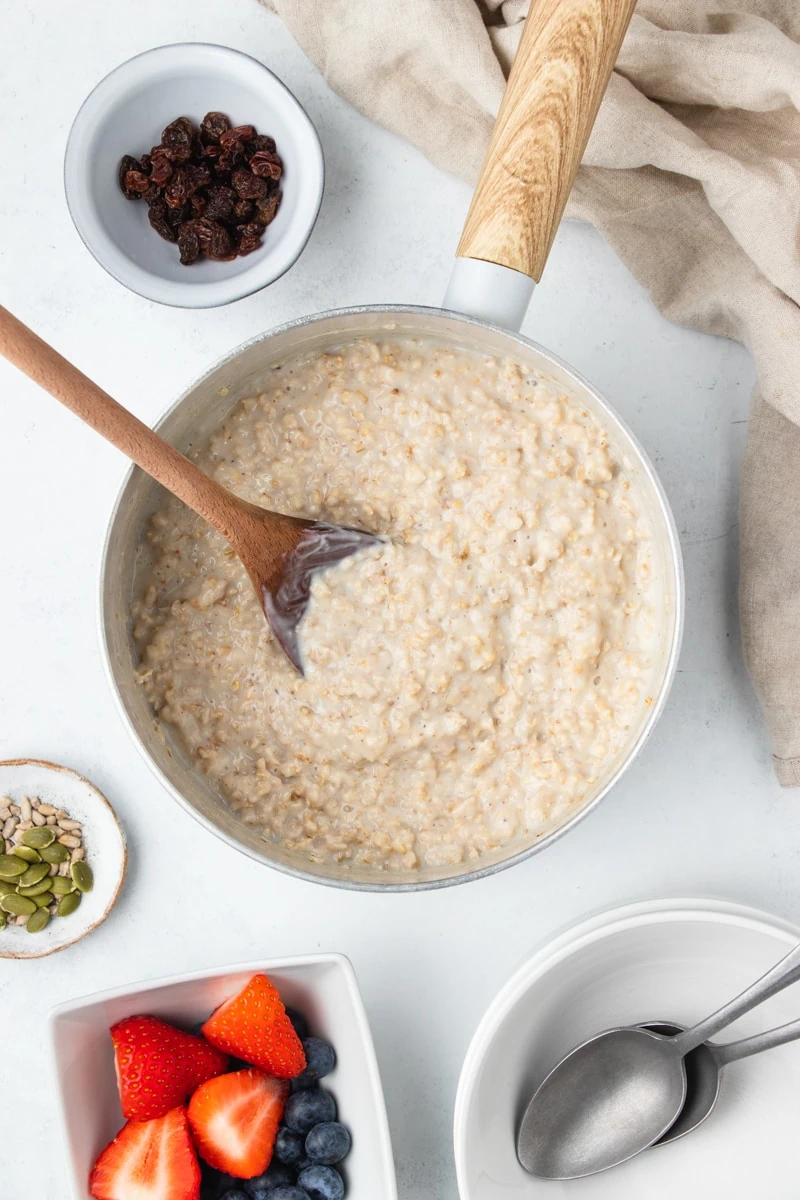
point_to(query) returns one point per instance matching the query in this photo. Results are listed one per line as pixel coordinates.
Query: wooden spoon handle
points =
(563, 64)
(116, 424)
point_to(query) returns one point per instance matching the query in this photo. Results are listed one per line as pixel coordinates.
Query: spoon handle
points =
(784, 973)
(733, 1051)
(41, 363)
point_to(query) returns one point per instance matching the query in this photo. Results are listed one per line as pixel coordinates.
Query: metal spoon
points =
(704, 1071)
(279, 553)
(620, 1091)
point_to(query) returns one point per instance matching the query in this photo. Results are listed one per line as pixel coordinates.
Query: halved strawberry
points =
(148, 1160)
(234, 1120)
(159, 1066)
(254, 1026)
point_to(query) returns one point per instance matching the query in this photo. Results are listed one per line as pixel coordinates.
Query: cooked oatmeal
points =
(469, 682)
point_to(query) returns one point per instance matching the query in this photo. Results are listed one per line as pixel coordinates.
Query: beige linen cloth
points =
(692, 174)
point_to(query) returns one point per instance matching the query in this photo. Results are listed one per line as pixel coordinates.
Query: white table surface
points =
(699, 813)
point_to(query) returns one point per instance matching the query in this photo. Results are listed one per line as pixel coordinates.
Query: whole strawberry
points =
(159, 1066)
(253, 1025)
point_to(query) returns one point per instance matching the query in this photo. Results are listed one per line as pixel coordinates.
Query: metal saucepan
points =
(565, 57)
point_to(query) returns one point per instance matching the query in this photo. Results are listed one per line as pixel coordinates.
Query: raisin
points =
(147, 163)
(211, 150)
(161, 171)
(176, 193)
(243, 210)
(178, 133)
(188, 244)
(198, 205)
(268, 207)
(196, 177)
(266, 165)
(239, 133)
(247, 185)
(135, 184)
(153, 193)
(232, 156)
(213, 125)
(128, 164)
(158, 219)
(220, 202)
(249, 237)
(260, 142)
(176, 216)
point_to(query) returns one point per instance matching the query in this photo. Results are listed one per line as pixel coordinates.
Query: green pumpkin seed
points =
(28, 853)
(67, 904)
(12, 867)
(38, 921)
(82, 875)
(61, 886)
(7, 885)
(43, 899)
(34, 873)
(20, 906)
(38, 837)
(3, 919)
(55, 853)
(35, 889)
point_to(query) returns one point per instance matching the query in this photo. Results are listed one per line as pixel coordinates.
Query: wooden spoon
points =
(279, 553)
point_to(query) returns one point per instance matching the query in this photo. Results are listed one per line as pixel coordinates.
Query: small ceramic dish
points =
(670, 960)
(126, 113)
(322, 986)
(106, 852)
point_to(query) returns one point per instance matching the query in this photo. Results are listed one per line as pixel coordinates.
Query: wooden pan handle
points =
(566, 55)
(116, 424)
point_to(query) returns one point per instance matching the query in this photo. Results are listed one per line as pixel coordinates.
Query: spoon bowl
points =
(565, 1132)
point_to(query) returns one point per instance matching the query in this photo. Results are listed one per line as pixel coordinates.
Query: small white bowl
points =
(672, 960)
(322, 986)
(106, 852)
(126, 113)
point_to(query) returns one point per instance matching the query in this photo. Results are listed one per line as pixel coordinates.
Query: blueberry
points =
(292, 1192)
(304, 1082)
(288, 1146)
(277, 1175)
(328, 1143)
(304, 1110)
(322, 1183)
(234, 1194)
(299, 1022)
(320, 1061)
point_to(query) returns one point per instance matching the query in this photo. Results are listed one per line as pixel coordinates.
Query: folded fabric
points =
(692, 173)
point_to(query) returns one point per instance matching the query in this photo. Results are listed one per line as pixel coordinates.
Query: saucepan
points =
(567, 51)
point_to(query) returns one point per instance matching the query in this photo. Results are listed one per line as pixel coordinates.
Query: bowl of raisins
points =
(193, 175)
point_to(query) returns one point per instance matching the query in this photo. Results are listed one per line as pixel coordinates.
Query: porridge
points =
(470, 681)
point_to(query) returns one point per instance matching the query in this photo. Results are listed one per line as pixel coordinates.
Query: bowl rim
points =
(568, 940)
(672, 546)
(189, 294)
(52, 766)
(358, 1011)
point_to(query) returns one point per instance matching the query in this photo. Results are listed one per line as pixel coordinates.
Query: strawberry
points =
(159, 1066)
(253, 1025)
(234, 1120)
(148, 1160)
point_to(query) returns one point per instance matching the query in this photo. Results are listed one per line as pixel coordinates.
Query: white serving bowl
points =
(323, 987)
(673, 960)
(126, 113)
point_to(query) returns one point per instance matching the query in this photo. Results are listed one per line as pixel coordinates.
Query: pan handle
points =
(565, 57)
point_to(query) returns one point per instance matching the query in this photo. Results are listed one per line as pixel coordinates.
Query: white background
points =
(699, 812)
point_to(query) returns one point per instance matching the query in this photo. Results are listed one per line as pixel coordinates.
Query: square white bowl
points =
(323, 987)
(126, 113)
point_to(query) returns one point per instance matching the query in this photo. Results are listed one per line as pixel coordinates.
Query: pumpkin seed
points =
(38, 837)
(55, 853)
(34, 874)
(27, 853)
(19, 905)
(82, 875)
(67, 904)
(7, 885)
(44, 900)
(38, 921)
(34, 889)
(60, 886)
(11, 867)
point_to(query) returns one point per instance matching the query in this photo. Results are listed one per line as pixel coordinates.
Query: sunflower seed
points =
(46, 809)
(38, 819)
(68, 839)
(9, 825)
(77, 855)
(70, 826)
(25, 810)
